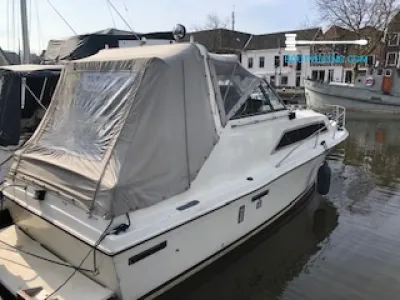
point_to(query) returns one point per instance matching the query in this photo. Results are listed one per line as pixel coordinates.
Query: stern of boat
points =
(29, 271)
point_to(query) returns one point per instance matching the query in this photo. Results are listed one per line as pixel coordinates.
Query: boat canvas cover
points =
(127, 127)
(10, 96)
(81, 46)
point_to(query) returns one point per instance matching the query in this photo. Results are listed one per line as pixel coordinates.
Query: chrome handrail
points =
(316, 134)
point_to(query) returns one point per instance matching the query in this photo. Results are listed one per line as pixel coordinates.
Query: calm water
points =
(343, 246)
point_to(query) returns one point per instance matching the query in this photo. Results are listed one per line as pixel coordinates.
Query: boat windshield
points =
(243, 94)
(262, 100)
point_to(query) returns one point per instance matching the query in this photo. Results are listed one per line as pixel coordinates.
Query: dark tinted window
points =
(262, 62)
(299, 134)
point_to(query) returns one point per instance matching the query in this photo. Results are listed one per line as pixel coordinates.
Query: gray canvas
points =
(126, 128)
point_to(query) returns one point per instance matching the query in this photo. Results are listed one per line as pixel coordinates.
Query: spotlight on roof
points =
(179, 32)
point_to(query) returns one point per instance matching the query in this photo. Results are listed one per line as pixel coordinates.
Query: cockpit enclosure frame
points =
(236, 86)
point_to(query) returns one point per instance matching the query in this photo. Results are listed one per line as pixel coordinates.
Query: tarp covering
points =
(33, 70)
(81, 46)
(127, 127)
(12, 82)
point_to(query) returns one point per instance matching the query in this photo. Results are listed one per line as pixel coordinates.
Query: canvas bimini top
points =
(80, 46)
(127, 128)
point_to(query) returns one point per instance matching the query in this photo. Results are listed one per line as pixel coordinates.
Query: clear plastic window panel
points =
(237, 84)
(262, 100)
(85, 126)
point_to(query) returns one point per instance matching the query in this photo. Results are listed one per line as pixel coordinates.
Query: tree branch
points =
(361, 18)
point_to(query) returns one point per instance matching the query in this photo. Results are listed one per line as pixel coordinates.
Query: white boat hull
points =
(157, 264)
(352, 98)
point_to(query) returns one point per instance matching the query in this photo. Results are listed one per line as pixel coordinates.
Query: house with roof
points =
(392, 49)
(265, 56)
(344, 71)
(221, 40)
(261, 54)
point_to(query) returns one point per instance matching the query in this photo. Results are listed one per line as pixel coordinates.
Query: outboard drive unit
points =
(324, 179)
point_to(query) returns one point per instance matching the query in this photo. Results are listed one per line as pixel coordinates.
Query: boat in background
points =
(25, 93)
(125, 216)
(378, 92)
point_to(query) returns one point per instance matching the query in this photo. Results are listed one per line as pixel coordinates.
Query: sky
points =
(85, 16)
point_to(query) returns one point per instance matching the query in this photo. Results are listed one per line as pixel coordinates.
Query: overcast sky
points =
(84, 16)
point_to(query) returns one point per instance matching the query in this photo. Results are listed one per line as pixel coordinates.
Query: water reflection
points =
(369, 163)
(374, 145)
(261, 268)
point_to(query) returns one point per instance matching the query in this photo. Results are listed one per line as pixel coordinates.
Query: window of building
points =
(391, 58)
(272, 80)
(330, 75)
(348, 77)
(285, 61)
(321, 75)
(298, 81)
(393, 39)
(298, 64)
(314, 75)
(371, 60)
(250, 63)
(277, 61)
(284, 80)
(379, 72)
(261, 62)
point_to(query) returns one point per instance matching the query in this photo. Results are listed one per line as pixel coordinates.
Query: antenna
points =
(122, 18)
(233, 18)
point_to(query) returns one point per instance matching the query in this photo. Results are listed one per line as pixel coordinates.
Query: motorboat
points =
(377, 92)
(150, 163)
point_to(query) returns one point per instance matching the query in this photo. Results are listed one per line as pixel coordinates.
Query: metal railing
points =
(337, 116)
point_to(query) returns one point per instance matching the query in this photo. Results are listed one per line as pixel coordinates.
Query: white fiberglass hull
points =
(157, 264)
(352, 98)
(202, 241)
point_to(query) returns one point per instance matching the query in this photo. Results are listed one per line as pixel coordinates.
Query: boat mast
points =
(25, 34)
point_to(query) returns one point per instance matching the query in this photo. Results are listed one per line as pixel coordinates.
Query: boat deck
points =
(20, 272)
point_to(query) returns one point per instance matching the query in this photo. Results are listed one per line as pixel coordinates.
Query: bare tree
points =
(213, 21)
(363, 18)
(210, 34)
(307, 23)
